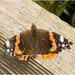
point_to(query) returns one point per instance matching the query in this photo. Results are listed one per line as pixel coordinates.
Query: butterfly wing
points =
(61, 42)
(51, 43)
(44, 42)
(19, 45)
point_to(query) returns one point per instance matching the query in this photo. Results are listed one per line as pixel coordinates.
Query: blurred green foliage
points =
(63, 9)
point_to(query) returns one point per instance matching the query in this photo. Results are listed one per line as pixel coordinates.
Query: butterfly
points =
(36, 41)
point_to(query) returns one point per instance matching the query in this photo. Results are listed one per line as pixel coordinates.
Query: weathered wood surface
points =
(17, 16)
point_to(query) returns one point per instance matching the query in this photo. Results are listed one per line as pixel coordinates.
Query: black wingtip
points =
(70, 43)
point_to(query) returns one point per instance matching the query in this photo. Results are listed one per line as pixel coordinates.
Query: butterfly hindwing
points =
(43, 39)
(53, 44)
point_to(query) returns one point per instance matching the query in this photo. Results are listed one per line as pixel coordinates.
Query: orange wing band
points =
(24, 57)
(53, 42)
(48, 56)
(16, 45)
(54, 47)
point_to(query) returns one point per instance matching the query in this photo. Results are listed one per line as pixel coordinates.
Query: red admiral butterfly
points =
(36, 41)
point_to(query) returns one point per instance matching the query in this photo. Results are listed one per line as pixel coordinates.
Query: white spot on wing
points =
(63, 45)
(61, 38)
(58, 44)
(66, 44)
(69, 41)
(11, 49)
(7, 43)
(10, 53)
(8, 50)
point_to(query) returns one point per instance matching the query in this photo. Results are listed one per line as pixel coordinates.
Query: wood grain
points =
(17, 16)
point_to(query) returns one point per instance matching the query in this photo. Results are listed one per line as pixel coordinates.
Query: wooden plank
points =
(17, 16)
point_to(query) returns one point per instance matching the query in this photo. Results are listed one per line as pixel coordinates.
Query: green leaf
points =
(41, 3)
(60, 10)
(54, 6)
(73, 20)
(48, 5)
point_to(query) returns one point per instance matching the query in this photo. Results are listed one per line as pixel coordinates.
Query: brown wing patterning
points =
(36, 41)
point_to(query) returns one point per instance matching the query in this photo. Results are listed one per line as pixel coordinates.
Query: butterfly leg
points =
(48, 56)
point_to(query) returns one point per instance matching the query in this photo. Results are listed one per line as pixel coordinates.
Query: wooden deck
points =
(17, 16)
